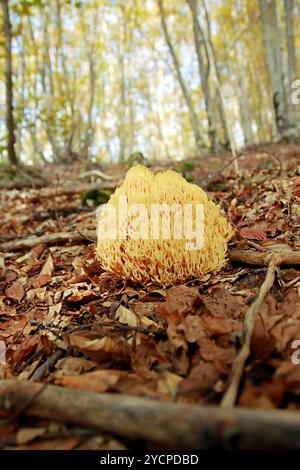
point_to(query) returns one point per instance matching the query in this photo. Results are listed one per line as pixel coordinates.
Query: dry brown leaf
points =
(73, 366)
(48, 267)
(168, 383)
(15, 291)
(126, 316)
(97, 382)
(99, 348)
(41, 280)
(25, 435)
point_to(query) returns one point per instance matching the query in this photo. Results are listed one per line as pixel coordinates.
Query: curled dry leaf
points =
(98, 381)
(48, 267)
(25, 349)
(251, 233)
(126, 316)
(25, 435)
(15, 291)
(99, 348)
(73, 366)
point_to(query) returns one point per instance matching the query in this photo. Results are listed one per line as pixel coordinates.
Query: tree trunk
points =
(67, 152)
(292, 73)
(217, 81)
(243, 93)
(204, 77)
(216, 74)
(272, 39)
(10, 123)
(192, 113)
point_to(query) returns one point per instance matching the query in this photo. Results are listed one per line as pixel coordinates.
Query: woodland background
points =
(100, 79)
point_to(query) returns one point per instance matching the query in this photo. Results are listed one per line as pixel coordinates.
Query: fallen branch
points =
(164, 424)
(274, 260)
(101, 175)
(263, 258)
(76, 189)
(20, 183)
(48, 239)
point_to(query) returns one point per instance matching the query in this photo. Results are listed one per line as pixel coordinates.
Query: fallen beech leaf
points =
(38, 250)
(5, 372)
(98, 381)
(180, 300)
(10, 275)
(252, 234)
(54, 310)
(25, 349)
(39, 292)
(84, 296)
(67, 443)
(126, 316)
(168, 383)
(222, 303)
(200, 381)
(25, 435)
(193, 328)
(15, 291)
(48, 267)
(265, 395)
(99, 348)
(73, 366)
(41, 280)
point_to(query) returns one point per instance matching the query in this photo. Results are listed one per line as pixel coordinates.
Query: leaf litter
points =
(175, 344)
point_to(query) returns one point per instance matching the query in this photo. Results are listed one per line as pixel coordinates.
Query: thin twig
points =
(236, 375)
(48, 364)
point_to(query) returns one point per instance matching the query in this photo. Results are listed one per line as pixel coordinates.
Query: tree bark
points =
(204, 69)
(272, 39)
(292, 73)
(10, 122)
(245, 112)
(214, 65)
(188, 99)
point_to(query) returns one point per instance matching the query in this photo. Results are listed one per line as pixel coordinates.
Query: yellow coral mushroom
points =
(160, 228)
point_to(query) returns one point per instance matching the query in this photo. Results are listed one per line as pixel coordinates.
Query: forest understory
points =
(68, 329)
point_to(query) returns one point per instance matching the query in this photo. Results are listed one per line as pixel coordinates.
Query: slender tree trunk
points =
(122, 111)
(48, 88)
(60, 51)
(204, 77)
(243, 93)
(192, 113)
(123, 108)
(217, 76)
(10, 123)
(272, 39)
(292, 73)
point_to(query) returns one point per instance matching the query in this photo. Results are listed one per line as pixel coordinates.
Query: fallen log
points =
(164, 424)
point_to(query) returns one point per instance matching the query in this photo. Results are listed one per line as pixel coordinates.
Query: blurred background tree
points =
(98, 80)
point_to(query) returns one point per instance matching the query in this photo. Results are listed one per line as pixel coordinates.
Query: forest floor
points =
(64, 321)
